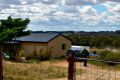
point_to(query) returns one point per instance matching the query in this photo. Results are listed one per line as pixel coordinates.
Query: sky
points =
(65, 15)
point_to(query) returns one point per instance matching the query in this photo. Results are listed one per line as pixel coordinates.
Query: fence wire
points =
(97, 69)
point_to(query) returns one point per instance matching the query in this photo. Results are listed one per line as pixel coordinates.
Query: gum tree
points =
(16, 24)
(10, 29)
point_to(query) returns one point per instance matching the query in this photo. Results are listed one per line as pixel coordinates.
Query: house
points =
(53, 43)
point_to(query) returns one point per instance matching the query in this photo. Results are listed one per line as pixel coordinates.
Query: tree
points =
(9, 29)
(16, 25)
(4, 37)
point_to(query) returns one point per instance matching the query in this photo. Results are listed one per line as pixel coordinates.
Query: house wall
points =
(31, 47)
(55, 46)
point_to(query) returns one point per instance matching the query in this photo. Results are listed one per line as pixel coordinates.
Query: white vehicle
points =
(79, 48)
(5, 56)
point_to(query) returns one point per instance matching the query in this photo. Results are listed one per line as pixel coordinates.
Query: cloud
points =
(88, 10)
(9, 11)
(70, 9)
(116, 9)
(79, 2)
(114, 0)
(64, 14)
(87, 2)
(16, 2)
(48, 1)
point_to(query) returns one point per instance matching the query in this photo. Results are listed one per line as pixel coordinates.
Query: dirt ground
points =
(91, 72)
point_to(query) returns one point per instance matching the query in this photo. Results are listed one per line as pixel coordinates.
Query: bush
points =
(108, 55)
(60, 57)
(44, 56)
(20, 55)
(32, 56)
(28, 57)
(113, 56)
(104, 54)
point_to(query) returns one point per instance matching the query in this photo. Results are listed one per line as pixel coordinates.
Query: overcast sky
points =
(78, 15)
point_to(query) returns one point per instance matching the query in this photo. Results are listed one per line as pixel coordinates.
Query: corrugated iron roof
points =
(38, 37)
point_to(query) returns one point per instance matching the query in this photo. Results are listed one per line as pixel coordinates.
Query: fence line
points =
(93, 72)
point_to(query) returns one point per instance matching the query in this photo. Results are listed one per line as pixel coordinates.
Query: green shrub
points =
(113, 56)
(60, 57)
(44, 56)
(30, 56)
(104, 54)
(108, 55)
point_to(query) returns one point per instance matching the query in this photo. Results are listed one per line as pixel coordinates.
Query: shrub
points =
(44, 56)
(111, 56)
(108, 55)
(60, 57)
(30, 56)
(20, 55)
(104, 54)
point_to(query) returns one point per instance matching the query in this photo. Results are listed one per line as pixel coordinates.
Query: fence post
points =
(1, 67)
(71, 67)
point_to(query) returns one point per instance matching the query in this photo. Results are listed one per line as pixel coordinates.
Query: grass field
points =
(55, 70)
(33, 71)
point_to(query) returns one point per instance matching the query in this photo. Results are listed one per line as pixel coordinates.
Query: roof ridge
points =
(38, 37)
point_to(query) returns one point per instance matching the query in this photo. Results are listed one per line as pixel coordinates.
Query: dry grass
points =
(32, 71)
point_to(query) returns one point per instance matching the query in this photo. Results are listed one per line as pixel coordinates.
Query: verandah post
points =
(71, 66)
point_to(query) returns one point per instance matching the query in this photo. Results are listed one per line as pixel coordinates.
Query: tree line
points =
(98, 40)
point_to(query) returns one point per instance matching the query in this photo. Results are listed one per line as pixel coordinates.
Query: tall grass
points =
(32, 71)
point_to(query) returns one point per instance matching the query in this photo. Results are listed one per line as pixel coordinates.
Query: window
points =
(63, 46)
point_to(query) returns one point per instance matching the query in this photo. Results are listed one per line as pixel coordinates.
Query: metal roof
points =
(38, 37)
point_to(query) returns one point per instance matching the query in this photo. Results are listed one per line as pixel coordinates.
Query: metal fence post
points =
(71, 67)
(1, 67)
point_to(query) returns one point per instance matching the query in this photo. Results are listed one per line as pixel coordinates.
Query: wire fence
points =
(94, 69)
(77, 70)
